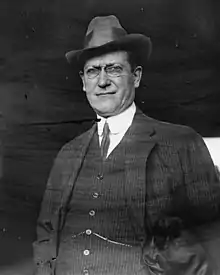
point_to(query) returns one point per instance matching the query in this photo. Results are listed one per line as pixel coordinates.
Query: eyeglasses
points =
(110, 70)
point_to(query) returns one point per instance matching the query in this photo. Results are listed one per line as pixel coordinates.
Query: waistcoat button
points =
(95, 195)
(100, 177)
(86, 252)
(92, 213)
(88, 231)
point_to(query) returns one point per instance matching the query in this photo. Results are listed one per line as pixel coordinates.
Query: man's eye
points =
(114, 69)
(92, 71)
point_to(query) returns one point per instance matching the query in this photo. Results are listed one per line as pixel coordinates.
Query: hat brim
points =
(139, 44)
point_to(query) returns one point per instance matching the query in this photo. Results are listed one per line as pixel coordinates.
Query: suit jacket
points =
(176, 179)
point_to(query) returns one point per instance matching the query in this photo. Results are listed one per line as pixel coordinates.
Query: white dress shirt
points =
(118, 126)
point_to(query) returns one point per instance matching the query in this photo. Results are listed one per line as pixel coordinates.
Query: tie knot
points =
(106, 129)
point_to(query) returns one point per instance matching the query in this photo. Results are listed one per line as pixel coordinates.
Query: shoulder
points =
(174, 132)
(170, 137)
(75, 144)
(166, 131)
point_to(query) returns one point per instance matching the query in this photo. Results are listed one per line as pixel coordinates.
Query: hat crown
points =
(105, 34)
(102, 30)
(103, 23)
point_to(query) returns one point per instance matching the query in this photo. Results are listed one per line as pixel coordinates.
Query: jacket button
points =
(92, 213)
(86, 252)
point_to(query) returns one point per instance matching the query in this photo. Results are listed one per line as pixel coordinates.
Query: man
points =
(122, 196)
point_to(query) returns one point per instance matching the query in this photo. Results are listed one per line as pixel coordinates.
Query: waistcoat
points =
(102, 234)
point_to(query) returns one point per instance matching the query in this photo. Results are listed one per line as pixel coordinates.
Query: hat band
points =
(97, 39)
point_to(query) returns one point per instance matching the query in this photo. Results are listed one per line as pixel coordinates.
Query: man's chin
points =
(106, 112)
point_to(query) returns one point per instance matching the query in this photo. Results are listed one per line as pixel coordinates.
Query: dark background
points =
(41, 98)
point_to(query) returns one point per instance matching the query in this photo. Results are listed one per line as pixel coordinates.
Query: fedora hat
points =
(105, 34)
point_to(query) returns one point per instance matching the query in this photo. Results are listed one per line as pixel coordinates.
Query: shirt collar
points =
(119, 123)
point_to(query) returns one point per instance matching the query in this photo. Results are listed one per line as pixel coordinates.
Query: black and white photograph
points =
(109, 137)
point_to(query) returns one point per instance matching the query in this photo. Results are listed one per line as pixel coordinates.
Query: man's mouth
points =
(105, 93)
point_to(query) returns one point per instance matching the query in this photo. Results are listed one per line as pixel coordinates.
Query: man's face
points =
(109, 83)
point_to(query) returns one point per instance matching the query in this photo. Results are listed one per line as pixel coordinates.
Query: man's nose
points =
(103, 80)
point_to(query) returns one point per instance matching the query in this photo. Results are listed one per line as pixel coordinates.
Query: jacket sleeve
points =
(182, 185)
(45, 246)
(200, 179)
(182, 180)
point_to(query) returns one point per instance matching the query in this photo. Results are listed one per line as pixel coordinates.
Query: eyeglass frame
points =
(105, 67)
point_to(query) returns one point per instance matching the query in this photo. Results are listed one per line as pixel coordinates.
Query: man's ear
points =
(137, 76)
(83, 80)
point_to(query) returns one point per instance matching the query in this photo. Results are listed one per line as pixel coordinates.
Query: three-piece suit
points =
(134, 213)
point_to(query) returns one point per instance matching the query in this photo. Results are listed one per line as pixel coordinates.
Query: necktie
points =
(105, 140)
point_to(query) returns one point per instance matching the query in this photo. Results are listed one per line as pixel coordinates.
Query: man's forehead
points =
(108, 58)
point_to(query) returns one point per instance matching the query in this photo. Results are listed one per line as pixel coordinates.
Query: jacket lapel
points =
(77, 152)
(138, 146)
